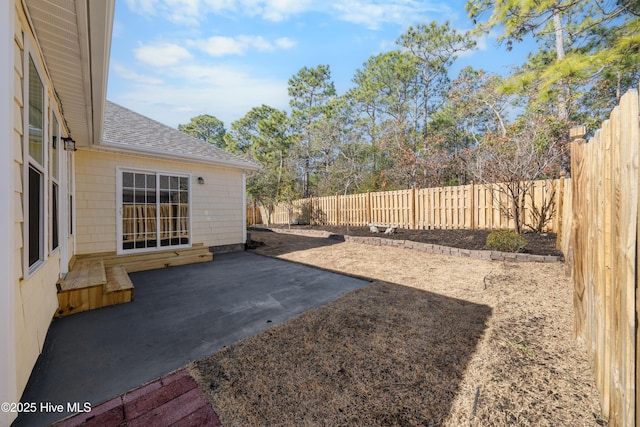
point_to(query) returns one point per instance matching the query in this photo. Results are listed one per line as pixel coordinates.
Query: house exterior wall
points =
(8, 279)
(32, 291)
(216, 206)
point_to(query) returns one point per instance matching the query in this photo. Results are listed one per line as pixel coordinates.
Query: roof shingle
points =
(128, 130)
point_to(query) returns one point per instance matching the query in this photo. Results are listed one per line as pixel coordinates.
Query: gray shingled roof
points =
(127, 130)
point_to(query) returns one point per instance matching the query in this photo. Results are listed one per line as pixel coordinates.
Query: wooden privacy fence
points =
(604, 227)
(459, 207)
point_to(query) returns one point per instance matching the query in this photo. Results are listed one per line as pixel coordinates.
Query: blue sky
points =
(174, 59)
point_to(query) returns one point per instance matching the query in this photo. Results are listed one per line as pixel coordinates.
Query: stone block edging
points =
(487, 255)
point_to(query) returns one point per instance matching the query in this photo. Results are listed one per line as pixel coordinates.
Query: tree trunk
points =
(563, 97)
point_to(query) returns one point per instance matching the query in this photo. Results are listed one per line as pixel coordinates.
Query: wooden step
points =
(110, 258)
(86, 273)
(116, 289)
(71, 301)
(117, 279)
(119, 288)
(153, 264)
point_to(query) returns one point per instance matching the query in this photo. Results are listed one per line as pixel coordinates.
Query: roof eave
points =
(101, 32)
(84, 28)
(100, 15)
(127, 149)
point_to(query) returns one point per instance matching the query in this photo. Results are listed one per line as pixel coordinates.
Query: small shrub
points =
(506, 241)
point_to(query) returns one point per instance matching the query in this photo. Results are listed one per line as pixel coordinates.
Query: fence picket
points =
(460, 207)
(604, 230)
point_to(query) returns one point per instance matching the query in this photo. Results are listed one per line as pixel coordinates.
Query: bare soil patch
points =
(537, 243)
(434, 341)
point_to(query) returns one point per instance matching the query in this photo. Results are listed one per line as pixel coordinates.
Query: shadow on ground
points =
(273, 245)
(381, 355)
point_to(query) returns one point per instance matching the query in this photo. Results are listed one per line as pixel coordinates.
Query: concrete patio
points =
(180, 314)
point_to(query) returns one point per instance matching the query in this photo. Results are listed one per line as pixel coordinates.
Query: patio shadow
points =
(381, 355)
(273, 245)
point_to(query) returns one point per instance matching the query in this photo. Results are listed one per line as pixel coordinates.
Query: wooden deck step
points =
(117, 279)
(119, 288)
(155, 263)
(110, 258)
(86, 273)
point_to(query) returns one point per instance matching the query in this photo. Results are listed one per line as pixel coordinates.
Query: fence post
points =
(559, 208)
(255, 217)
(577, 165)
(368, 207)
(311, 210)
(412, 208)
(337, 209)
(473, 206)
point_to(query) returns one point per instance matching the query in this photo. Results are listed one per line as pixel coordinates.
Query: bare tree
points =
(531, 150)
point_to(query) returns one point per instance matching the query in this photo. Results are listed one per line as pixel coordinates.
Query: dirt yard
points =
(537, 243)
(434, 341)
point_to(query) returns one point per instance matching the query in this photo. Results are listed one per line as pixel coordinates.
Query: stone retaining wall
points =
(425, 247)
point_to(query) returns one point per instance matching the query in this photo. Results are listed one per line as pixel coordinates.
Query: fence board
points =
(457, 207)
(627, 241)
(605, 256)
(607, 263)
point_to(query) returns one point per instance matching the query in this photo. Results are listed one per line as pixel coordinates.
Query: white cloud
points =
(161, 54)
(370, 13)
(222, 46)
(187, 12)
(144, 7)
(129, 74)
(483, 43)
(285, 43)
(374, 13)
(225, 92)
(183, 11)
(280, 10)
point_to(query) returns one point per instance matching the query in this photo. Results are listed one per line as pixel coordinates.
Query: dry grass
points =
(435, 341)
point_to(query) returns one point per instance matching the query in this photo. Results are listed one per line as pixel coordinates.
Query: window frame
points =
(31, 163)
(54, 182)
(120, 170)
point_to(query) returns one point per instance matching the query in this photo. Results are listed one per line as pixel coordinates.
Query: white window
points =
(54, 192)
(36, 175)
(155, 210)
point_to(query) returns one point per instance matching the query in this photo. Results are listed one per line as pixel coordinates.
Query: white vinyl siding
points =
(215, 207)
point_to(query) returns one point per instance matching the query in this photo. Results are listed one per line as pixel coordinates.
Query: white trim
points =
(118, 189)
(100, 16)
(153, 153)
(8, 275)
(63, 196)
(244, 207)
(63, 210)
(28, 162)
(119, 204)
(53, 119)
(70, 206)
(85, 72)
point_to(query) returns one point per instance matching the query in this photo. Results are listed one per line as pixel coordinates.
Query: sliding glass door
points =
(155, 211)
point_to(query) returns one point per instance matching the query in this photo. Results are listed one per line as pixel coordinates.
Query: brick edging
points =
(425, 247)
